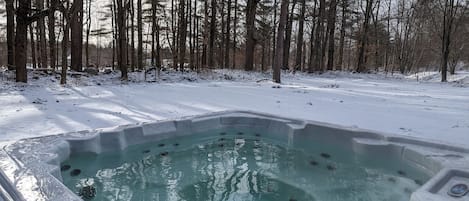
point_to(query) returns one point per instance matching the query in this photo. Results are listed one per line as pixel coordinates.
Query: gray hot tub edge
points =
(30, 168)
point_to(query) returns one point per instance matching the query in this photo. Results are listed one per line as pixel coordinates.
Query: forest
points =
(314, 36)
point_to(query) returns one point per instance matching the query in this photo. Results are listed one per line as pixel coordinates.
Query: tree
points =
(312, 41)
(287, 40)
(344, 6)
(122, 7)
(76, 45)
(364, 37)
(10, 9)
(450, 12)
(331, 31)
(280, 37)
(140, 32)
(228, 38)
(67, 13)
(319, 38)
(41, 42)
(23, 20)
(88, 29)
(299, 43)
(213, 31)
(250, 37)
(51, 27)
(182, 34)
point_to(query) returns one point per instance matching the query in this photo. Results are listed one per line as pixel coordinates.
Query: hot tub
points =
(234, 155)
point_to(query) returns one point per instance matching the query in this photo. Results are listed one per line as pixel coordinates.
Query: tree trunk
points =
(287, 41)
(10, 9)
(122, 40)
(205, 34)
(213, 26)
(364, 37)
(331, 31)
(342, 36)
(227, 39)
(140, 31)
(235, 23)
(279, 49)
(76, 46)
(318, 44)
(52, 40)
(132, 35)
(41, 43)
(299, 43)
(88, 27)
(250, 38)
(21, 40)
(192, 12)
(65, 40)
(153, 32)
(182, 34)
(312, 41)
(33, 46)
(448, 23)
(114, 33)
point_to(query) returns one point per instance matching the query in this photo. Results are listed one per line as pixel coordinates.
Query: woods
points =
(391, 36)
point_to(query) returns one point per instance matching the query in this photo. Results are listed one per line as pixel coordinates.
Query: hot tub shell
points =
(30, 168)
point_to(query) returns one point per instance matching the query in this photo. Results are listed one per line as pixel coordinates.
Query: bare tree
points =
(76, 45)
(331, 31)
(122, 6)
(364, 37)
(182, 34)
(250, 36)
(280, 37)
(10, 9)
(299, 43)
(51, 27)
(344, 5)
(450, 11)
(23, 20)
(213, 32)
(287, 40)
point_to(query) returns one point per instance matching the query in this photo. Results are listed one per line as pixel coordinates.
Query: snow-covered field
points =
(398, 104)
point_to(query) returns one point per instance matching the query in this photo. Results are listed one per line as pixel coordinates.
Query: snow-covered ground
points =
(398, 104)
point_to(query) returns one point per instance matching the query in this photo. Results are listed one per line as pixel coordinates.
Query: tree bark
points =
(287, 41)
(299, 43)
(21, 40)
(312, 41)
(342, 36)
(250, 38)
(280, 37)
(140, 31)
(182, 34)
(213, 26)
(318, 44)
(88, 27)
(76, 45)
(41, 31)
(364, 38)
(133, 56)
(235, 28)
(52, 40)
(65, 40)
(33, 46)
(10, 10)
(227, 39)
(122, 40)
(331, 32)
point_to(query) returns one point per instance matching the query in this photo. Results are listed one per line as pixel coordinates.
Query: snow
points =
(393, 104)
